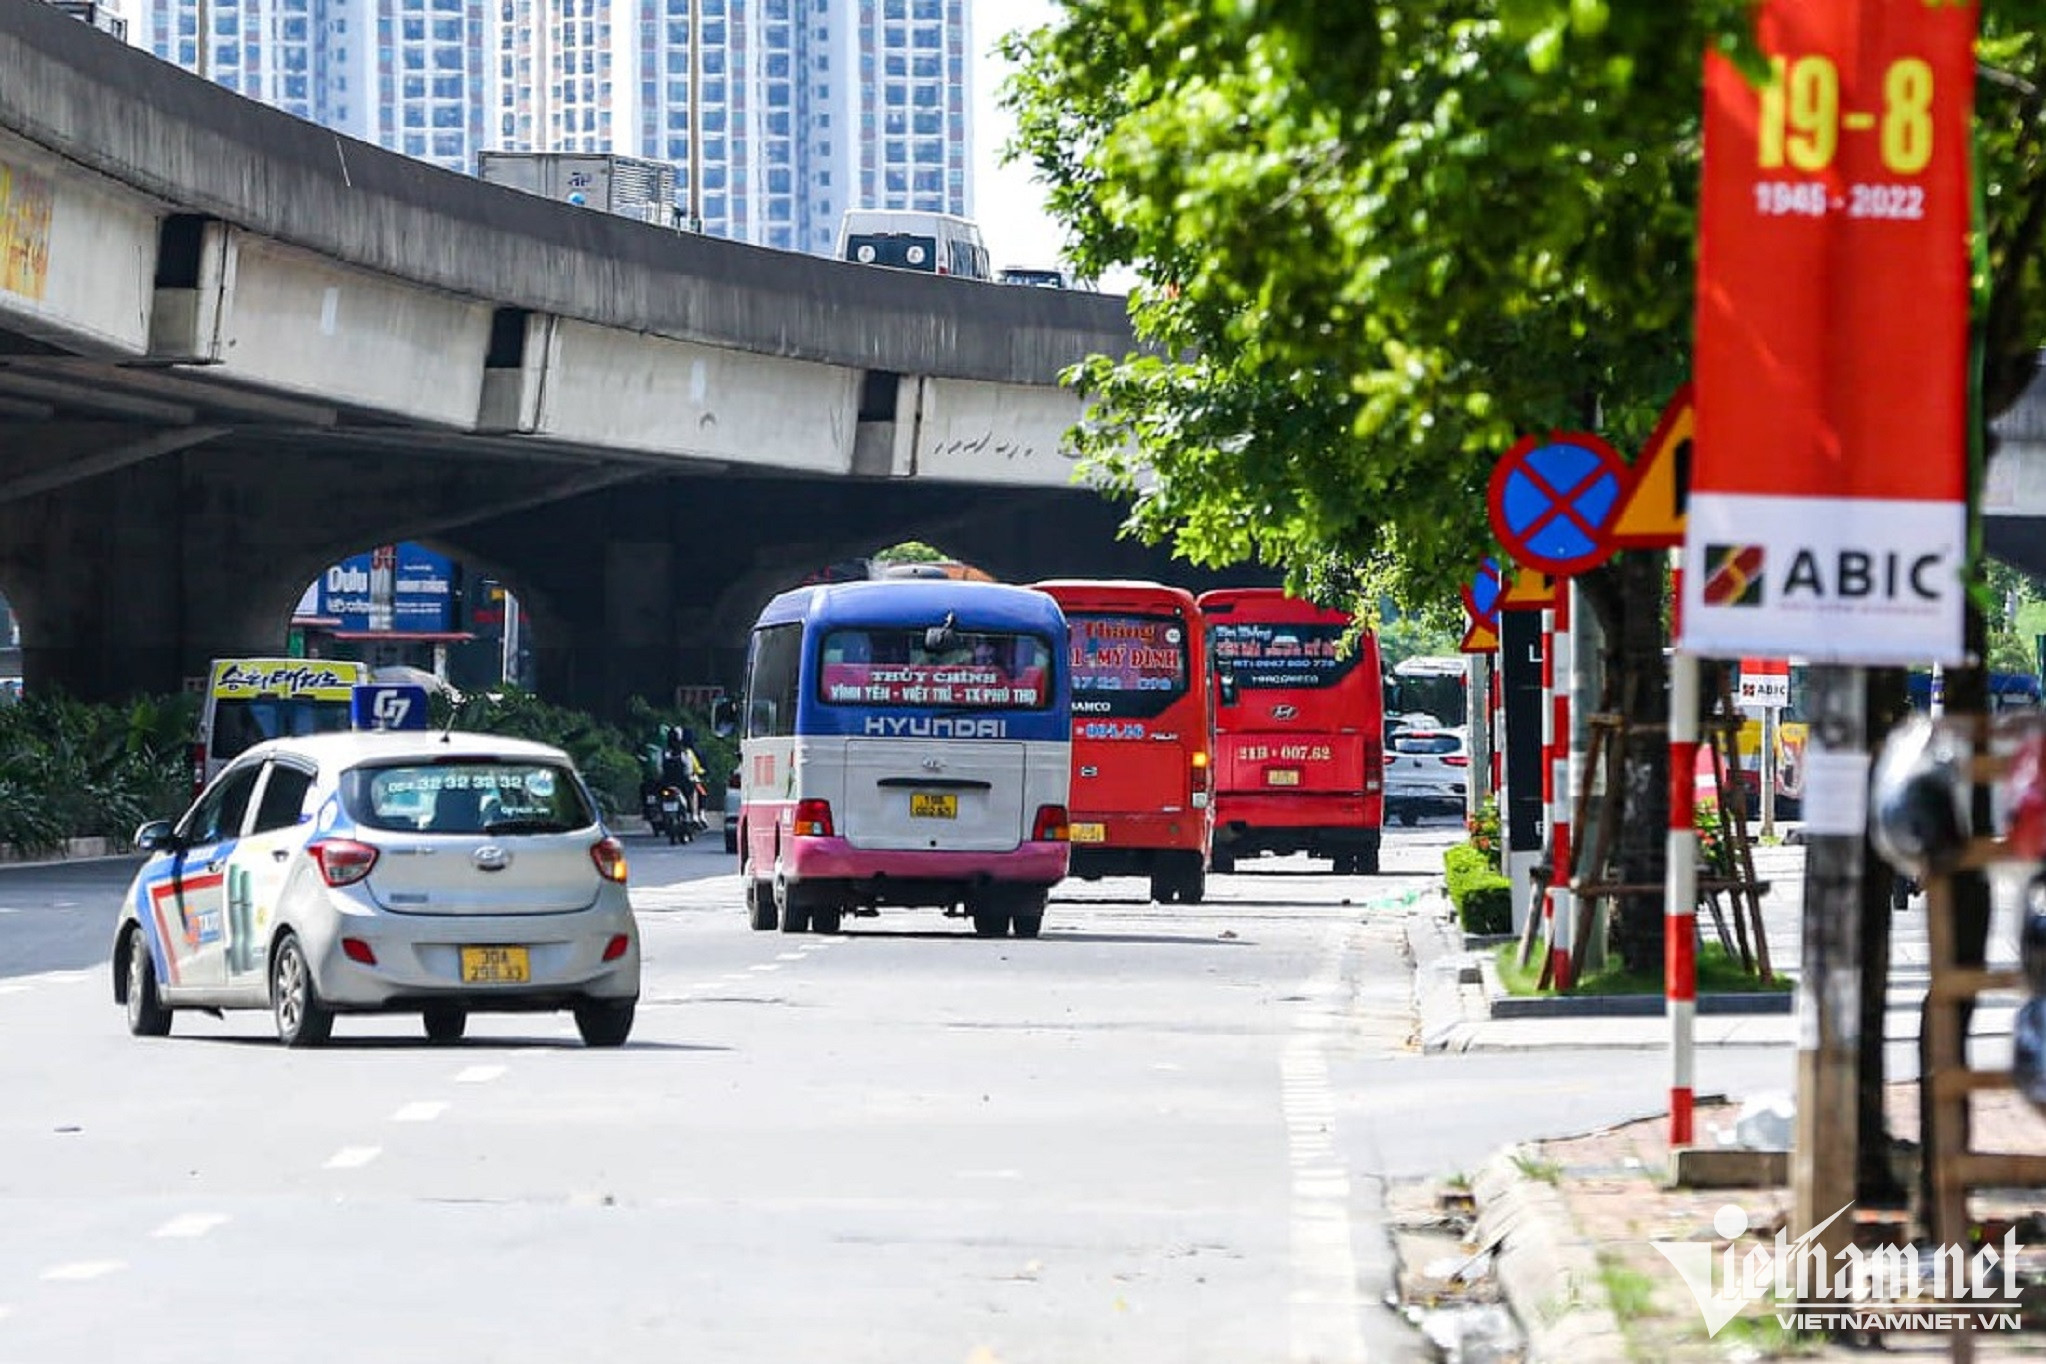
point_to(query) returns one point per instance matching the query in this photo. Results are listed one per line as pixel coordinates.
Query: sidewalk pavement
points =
(1567, 1224)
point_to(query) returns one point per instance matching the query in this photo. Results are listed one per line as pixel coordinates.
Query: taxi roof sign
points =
(321, 678)
(1652, 509)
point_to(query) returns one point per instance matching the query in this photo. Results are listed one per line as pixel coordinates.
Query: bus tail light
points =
(342, 861)
(1203, 777)
(813, 819)
(1050, 825)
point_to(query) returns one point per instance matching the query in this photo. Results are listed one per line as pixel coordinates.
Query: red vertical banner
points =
(1827, 514)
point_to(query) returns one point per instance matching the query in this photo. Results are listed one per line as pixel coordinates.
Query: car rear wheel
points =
(1193, 883)
(1026, 918)
(604, 1024)
(825, 918)
(146, 1015)
(302, 1020)
(1222, 861)
(445, 1022)
(990, 921)
(788, 903)
(760, 906)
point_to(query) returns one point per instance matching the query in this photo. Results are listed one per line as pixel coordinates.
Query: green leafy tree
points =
(1378, 241)
(912, 552)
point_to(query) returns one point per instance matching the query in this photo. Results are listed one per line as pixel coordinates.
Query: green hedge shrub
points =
(70, 769)
(1483, 898)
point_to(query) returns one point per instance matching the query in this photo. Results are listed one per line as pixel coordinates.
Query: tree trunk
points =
(1875, 1177)
(1637, 660)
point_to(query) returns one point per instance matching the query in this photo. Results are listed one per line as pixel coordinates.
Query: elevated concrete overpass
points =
(235, 346)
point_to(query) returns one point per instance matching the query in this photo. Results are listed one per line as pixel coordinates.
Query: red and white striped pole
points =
(1496, 709)
(1562, 950)
(1680, 937)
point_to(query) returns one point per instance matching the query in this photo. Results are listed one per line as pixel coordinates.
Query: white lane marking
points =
(766, 966)
(189, 1225)
(73, 977)
(790, 956)
(83, 1269)
(426, 1110)
(478, 1075)
(13, 989)
(1324, 1300)
(353, 1157)
(5, 1311)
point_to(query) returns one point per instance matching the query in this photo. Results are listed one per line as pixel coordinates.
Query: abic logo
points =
(1733, 575)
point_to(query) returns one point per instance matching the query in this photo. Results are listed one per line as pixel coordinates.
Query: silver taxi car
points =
(439, 874)
(1426, 768)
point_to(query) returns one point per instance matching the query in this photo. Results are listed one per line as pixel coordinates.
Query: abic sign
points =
(1827, 512)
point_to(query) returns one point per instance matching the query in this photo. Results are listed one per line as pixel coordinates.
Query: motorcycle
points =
(675, 821)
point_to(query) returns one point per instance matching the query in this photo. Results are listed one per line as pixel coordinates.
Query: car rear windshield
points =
(976, 670)
(1127, 665)
(1425, 743)
(1263, 655)
(467, 797)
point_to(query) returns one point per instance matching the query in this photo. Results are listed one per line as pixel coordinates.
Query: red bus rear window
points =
(1126, 665)
(1267, 655)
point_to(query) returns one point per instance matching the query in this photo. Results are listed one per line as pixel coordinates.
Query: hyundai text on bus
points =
(1143, 722)
(905, 742)
(1299, 730)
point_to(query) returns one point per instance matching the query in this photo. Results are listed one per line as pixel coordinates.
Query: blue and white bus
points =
(905, 742)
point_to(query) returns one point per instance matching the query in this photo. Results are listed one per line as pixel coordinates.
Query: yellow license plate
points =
(933, 805)
(1282, 777)
(1087, 833)
(496, 966)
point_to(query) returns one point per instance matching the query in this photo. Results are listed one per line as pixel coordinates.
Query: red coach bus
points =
(1142, 721)
(1299, 730)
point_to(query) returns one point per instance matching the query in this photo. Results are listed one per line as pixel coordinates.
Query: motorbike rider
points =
(683, 769)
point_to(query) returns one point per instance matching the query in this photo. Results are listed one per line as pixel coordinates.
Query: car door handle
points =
(279, 854)
(216, 864)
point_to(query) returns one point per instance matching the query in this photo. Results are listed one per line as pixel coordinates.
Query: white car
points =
(410, 872)
(1426, 772)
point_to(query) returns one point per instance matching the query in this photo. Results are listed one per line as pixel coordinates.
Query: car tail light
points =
(1457, 759)
(1050, 825)
(615, 948)
(1391, 758)
(609, 855)
(342, 861)
(813, 819)
(355, 949)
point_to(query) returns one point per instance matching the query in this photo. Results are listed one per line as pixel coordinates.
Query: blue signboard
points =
(399, 589)
(388, 705)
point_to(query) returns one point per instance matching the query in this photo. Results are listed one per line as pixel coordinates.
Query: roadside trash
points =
(1765, 1123)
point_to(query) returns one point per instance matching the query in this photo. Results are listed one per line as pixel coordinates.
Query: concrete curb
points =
(1547, 1270)
(72, 850)
(1449, 983)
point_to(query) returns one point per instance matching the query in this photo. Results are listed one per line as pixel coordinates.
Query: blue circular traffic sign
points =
(1554, 499)
(1481, 596)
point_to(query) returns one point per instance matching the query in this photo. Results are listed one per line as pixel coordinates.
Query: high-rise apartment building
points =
(804, 108)
(405, 74)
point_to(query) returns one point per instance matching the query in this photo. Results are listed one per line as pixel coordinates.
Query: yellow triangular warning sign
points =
(1652, 510)
(1529, 591)
(1480, 638)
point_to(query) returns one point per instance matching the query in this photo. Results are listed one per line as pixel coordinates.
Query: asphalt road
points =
(1156, 1134)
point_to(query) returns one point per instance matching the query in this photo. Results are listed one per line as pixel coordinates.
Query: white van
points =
(903, 239)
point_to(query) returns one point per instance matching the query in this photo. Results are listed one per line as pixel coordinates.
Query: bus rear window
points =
(892, 667)
(1131, 666)
(1271, 655)
(240, 724)
(902, 251)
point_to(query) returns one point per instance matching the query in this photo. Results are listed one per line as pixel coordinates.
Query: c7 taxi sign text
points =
(1827, 514)
(1885, 1288)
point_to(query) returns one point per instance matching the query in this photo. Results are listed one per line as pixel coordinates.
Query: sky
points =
(1008, 205)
